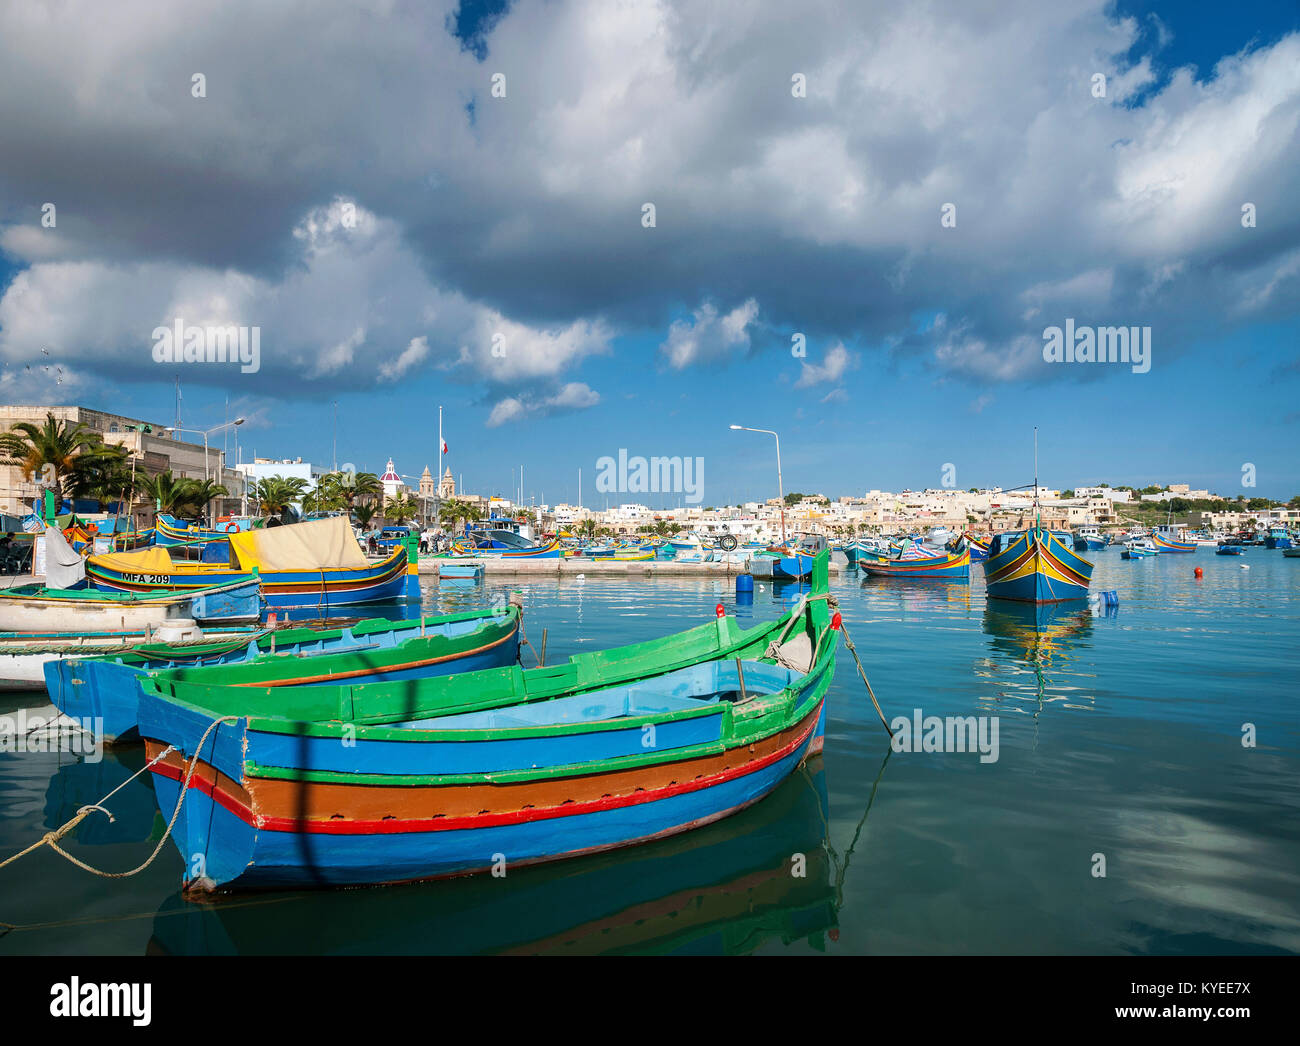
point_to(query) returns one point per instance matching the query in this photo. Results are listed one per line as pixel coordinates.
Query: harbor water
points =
(1142, 797)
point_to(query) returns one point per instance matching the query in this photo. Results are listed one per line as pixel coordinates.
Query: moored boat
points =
(316, 564)
(1035, 566)
(1230, 550)
(107, 688)
(919, 562)
(78, 611)
(465, 773)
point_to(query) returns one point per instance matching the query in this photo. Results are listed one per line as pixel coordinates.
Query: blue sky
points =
(379, 237)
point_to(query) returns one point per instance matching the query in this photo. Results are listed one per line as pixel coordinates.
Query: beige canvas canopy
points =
(322, 544)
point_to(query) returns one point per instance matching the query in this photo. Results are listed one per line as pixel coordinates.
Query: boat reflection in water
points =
(135, 810)
(1037, 638)
(727, 888)
(928, 594)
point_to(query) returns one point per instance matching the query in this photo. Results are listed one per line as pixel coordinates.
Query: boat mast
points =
(1038, 515)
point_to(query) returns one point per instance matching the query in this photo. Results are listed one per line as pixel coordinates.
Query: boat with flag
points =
(106, 688)
(458, 774)
(317, 564)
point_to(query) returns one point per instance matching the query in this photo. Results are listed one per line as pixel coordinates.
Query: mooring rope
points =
(51, 839)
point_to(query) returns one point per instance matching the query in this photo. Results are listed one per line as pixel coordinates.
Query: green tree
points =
(401, 508)
(51, 451)
(364, 514)
(274, 494)
(104, 476)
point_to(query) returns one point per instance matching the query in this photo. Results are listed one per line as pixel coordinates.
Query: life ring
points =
(728, 542)
(232, 528)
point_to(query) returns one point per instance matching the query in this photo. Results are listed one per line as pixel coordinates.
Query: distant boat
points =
(1137, 550)
(1230, 550)
(1279, 537)
(1036, 566)
(1089, 539)
(979, 550)
(1291, 553)
(1172, 539)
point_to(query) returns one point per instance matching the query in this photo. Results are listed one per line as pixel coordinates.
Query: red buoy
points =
(835, 621)
(1198, 571)
(720, 611)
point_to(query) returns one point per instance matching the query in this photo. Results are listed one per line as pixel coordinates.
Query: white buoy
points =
(1245, 566)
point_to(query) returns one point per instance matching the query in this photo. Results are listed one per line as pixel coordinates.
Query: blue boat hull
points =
(235, 851)
(1036, 566)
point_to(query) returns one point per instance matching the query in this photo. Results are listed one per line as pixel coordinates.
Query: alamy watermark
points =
(1098, 345)
(638, 475)
(948, 734)
(229, 344)
(21, 732)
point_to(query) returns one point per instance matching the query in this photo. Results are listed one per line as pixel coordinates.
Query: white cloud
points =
(707, 336)
(837, 362)
(574, 395)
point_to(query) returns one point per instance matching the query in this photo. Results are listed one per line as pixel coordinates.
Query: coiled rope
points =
(51, 839)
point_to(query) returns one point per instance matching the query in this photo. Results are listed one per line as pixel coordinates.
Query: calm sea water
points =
(1120, 735)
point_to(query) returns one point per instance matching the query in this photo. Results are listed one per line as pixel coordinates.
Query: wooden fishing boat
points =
(943, 566)
(317, 564)
(24, 656)
(979, 550)
(169, 530)
(1089, 539)
(1164, 543)
(1230, 550)
(1035, 566)
(77, 611)
(1136, 550)
(459, 774)
(549, 550)
(1291, 553)
(723, 888)
(107, 688)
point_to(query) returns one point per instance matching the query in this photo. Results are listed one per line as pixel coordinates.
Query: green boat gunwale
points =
(730, 740)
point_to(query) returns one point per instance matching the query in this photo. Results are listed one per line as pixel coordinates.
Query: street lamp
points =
(205, 434)
(780, 487)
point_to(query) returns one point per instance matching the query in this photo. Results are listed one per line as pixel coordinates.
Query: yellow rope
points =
(51, 839)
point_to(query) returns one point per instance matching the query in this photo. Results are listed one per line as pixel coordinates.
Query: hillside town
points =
(161, 459)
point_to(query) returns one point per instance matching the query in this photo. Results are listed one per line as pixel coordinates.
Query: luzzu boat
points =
(1166, 542)
(506, 544)
(169, 530)
(979, 550)
(505, 767)
(107, 688)
(1035, 566)
(1138, 550)
(920, 562)
(317, 564)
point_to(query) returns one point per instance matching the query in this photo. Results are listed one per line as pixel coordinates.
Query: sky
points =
(865, 219)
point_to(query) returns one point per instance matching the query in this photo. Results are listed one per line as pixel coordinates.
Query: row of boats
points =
(382, 751)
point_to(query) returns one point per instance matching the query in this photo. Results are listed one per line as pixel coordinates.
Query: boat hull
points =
(389, 580)
(107, 689)
(247, 850)
(1036, 566)
(1164, 544)
(948, 567)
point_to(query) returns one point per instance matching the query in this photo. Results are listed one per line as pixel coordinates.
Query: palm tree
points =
(275, 494)
(364, 514)
(455, 510)
(203, 492)
(401, 508)
(52, 449)
(587, 529)
(174, 495)
(103, 476)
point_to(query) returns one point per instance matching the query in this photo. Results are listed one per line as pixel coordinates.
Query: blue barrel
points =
(744, 583)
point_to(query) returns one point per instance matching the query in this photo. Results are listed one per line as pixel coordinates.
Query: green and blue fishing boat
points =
(337, 785)
(106, 690)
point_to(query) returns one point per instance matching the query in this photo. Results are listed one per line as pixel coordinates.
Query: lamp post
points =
(205, 434)
(780, 487)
